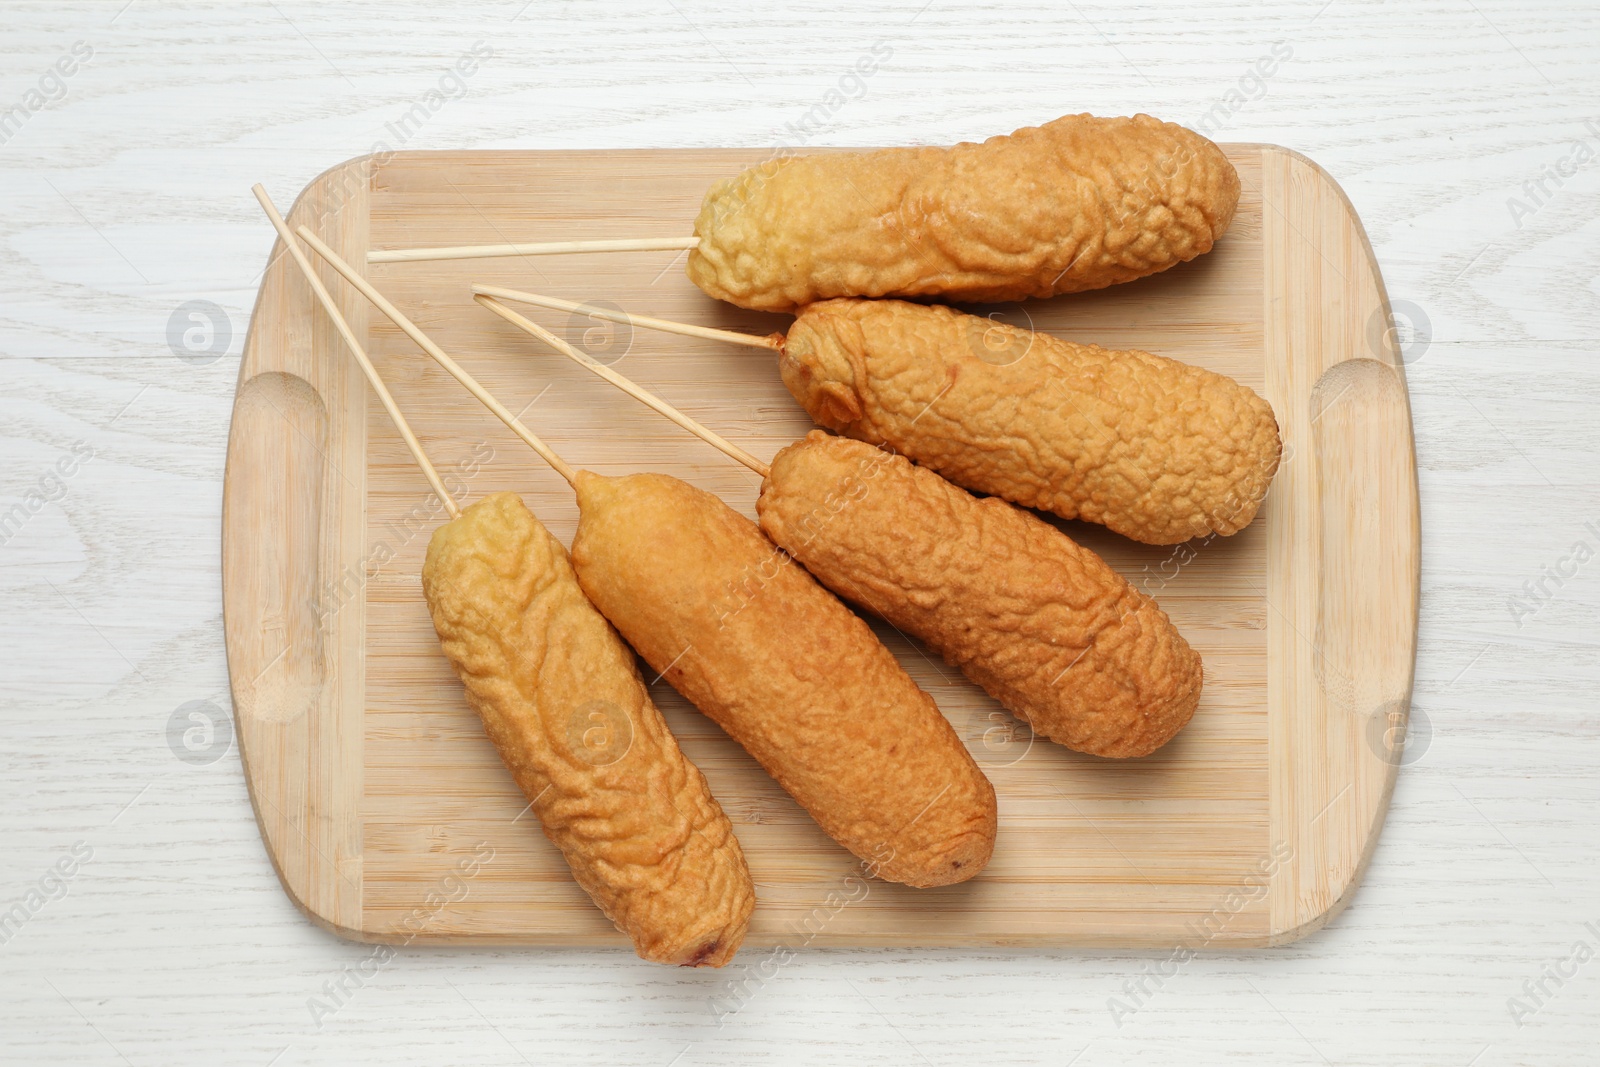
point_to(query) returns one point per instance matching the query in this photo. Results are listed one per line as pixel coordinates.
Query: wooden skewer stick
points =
(772, 341)
(537, 248)
(382, 303)
(355, 348)
(650, 400)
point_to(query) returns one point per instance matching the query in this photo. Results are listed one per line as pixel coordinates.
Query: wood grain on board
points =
(372, 778)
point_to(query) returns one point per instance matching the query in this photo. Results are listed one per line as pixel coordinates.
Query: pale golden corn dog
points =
(788, 671)
(1041, 623)
(1078, 203)
(1157, 450)
(561, 698)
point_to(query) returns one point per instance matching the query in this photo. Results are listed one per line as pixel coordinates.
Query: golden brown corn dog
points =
(1041, 623)
(561, 698)
(1079, 203)
(1155, 449)
(788, 671)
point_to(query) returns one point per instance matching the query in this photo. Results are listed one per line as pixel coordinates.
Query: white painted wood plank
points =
(130, 196)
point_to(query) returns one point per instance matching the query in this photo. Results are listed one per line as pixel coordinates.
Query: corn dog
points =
(1041, 623)
(561, 698)
(1076, 204)
(789, 672)
(1157, 450)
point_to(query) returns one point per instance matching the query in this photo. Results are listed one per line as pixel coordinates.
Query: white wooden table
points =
(1457, 127)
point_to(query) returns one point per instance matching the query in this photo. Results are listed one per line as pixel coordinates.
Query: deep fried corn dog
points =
(1041, 623)
(633, 817)
(1155, 449)
(788, 671)
(1079, 203)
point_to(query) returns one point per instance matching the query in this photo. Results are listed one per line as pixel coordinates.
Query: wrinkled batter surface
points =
(1157, 450)
(1076, 204)
(751, 639)
(561, 698)
(1044, 625)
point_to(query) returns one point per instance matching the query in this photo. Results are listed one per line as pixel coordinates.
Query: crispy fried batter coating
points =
(561, 698)
(1079, 203)
(788, 671)
(1157, 450)
(1041, 623)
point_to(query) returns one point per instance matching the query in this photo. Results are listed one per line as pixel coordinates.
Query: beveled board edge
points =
(1344, 554)
(293, 610)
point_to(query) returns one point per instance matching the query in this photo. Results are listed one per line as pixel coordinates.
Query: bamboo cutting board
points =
(387, 812)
